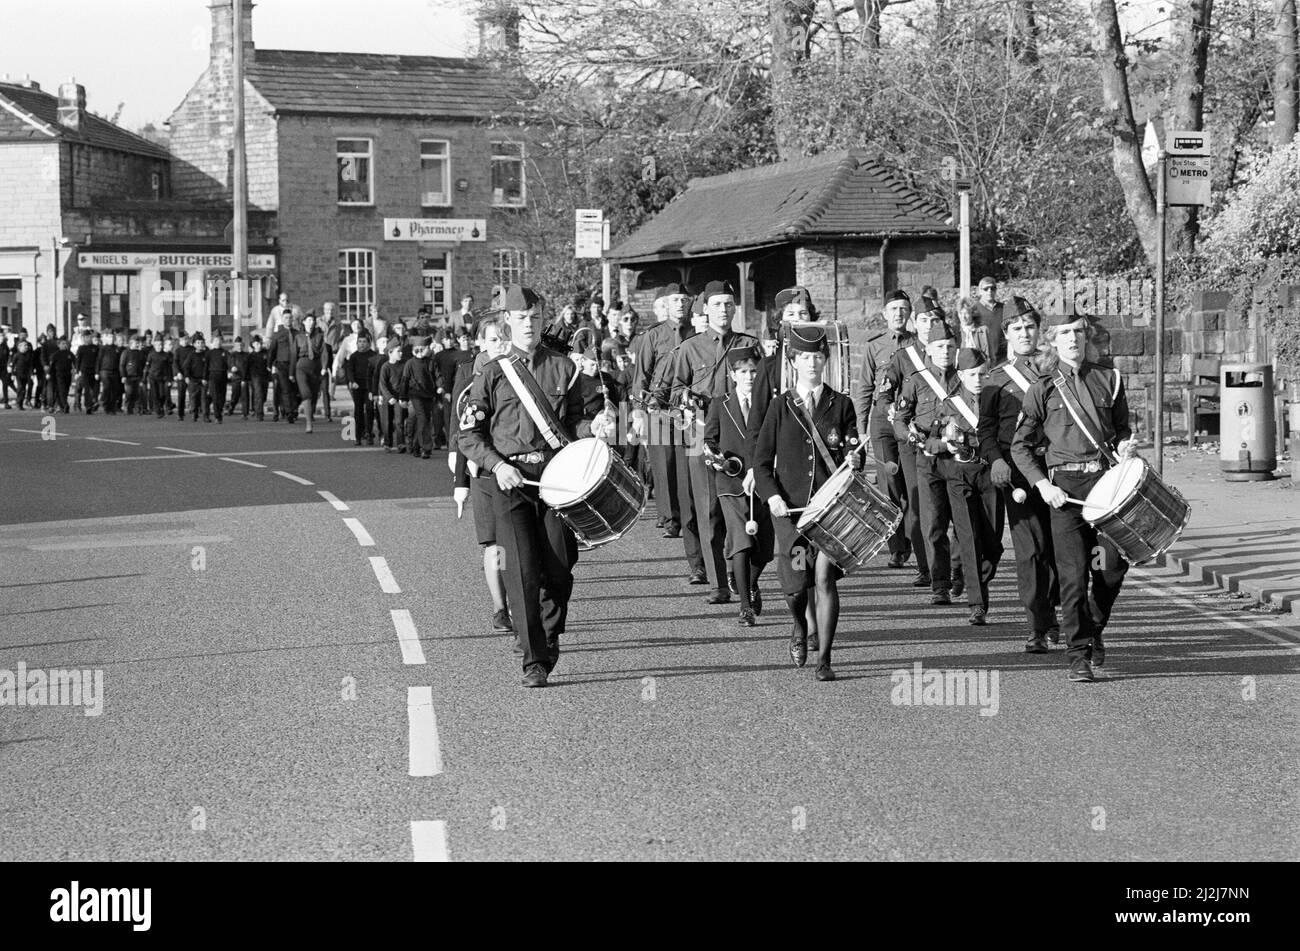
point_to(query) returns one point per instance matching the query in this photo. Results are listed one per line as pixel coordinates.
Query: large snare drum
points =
(849, 519)
(594, 491)
(1137, 510)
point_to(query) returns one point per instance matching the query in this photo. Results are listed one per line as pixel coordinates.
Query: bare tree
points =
(791, 23)
(1187, 96)
(1126, 144)
(1286, 102)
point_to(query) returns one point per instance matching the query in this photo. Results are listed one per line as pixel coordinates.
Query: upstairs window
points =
(435, 173)
(507, 174)
(356, 178)
(509, 266)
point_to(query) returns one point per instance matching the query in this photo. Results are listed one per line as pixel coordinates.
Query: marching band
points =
(759, 454)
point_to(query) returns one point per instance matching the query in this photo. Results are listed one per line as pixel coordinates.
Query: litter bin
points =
(1247, 446)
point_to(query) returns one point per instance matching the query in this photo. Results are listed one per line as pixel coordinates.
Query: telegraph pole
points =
(1160, 320)
(239, 271)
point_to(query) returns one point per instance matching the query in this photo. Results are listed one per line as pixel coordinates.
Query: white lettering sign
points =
(435, 229)
(168, 260)
(1187, 180)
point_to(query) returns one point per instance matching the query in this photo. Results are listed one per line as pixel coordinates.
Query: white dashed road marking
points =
(291, 477)
(408, 638)
(363, 537)
(429, 841)
(387, 583)
(243, 462)
(183, 452)
(120, 442)
(339, 506)
(426, 756)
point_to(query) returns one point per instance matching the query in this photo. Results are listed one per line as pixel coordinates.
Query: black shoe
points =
(1036, 644)
(824, 672)
(958, 584)
(677, 534)
(978, 616)
(731, 582)
(501, 622)
(1054, 633)
(896, 560)
(427, 455)
(535, 676)
(719, 597)
(798, 649)
(756, 601)
(698, 577)
(1081, 671)
(922, 580)
(941, 597)
(552, 655)
(401, 449)
(746, 618)
(814, 645)
(1098, 652)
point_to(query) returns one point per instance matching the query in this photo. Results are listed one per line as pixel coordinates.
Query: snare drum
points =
(1134, 508)
(849, 519)
(594, 491)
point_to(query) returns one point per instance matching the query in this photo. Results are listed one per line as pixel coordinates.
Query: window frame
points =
(522, 159)
(368, 155)
(513, 273)
(348, 267)
(446, 173)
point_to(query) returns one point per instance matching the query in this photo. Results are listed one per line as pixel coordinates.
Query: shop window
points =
(356, 283)
(435, 173)
(507, 174)
(171, 296)
(509, 266)
(356, 180)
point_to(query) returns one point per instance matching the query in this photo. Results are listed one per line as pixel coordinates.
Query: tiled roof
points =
(373, 84)
(43, 107)
(837, 194)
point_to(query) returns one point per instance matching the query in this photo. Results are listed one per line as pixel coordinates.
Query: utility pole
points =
(239, 271)
(1160, 320)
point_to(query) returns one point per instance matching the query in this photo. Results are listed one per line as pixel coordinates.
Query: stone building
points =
(387, 184)
(840, 224)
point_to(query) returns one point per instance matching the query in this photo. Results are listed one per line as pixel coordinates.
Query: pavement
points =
(297, 663)
(1243, 537)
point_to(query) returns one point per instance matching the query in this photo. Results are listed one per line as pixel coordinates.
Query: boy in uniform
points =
(158, 372)
(356, 373)
(392, 409)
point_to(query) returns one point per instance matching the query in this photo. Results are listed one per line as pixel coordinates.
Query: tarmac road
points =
(258, 701)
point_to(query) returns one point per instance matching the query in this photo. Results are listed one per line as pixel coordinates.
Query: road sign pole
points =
(964, 205)
(1160, 317)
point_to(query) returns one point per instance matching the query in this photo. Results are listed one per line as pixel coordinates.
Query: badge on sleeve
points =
(473, 414)
(833, 438)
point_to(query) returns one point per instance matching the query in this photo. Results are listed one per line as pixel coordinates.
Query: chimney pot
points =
(72, 104)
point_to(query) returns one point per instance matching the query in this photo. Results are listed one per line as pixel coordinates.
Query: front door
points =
(435, 280)
(115, 291)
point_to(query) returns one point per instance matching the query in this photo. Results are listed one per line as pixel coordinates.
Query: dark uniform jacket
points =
(495, 424)
(917, 402)
(726, 432)
(390, 381)
(447, 361)
(420, 379)
(987, 334)
(181, 358)
(110, 360)
(651, 371)
(281, 348)
(258, 368)
(700, 367)
(465, 374)
(357, 369)
(312, 350)
(876, 359)
(1000, 408)
(23, 361)
(131, 364)
(237, 365)
(216, 363)
(787, 462)
(87, 358)
(158, 365)
(195, 366)
(1045, 417)
(60, 366)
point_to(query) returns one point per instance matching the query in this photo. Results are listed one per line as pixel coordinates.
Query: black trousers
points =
(61, 385)
(257, 391)
(160, 391)
(309, 386)
(89, 393)
(970, 500)
(665, 476)
(936, 516)
(1031, 536)
(195, 389)
(1091, 570)
(286, 392)
(239, 395)
(181, 392)
(132, 394)
(441, 409)
(907, 463)
(711, 523)
(884, 446)
(110, 391)
(22, 387)
(214, 396)
(539, 555)
(363, 413)
(423, 409)
(686, 506)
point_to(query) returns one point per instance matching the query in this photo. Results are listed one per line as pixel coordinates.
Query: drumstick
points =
(530, 482)
(1076, 501)
(1019, 495)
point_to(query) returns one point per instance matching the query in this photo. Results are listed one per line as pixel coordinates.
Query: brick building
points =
(839, 224)
(387, 184)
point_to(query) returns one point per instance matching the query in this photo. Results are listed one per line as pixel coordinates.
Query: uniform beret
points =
(970, 359)
(927, 306)
(897, 295)
(1016, 308)
(938, 330)
(717, 287)
(793, 295)
(741, 354)
(590, 354)
(394, 345)
(516, 297)
(805, 339)
(671, 290)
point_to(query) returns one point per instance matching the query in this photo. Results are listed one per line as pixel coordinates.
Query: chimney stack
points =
(222, 50)
(72, 104)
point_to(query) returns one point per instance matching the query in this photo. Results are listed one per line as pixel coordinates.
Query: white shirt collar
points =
(816, 395)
